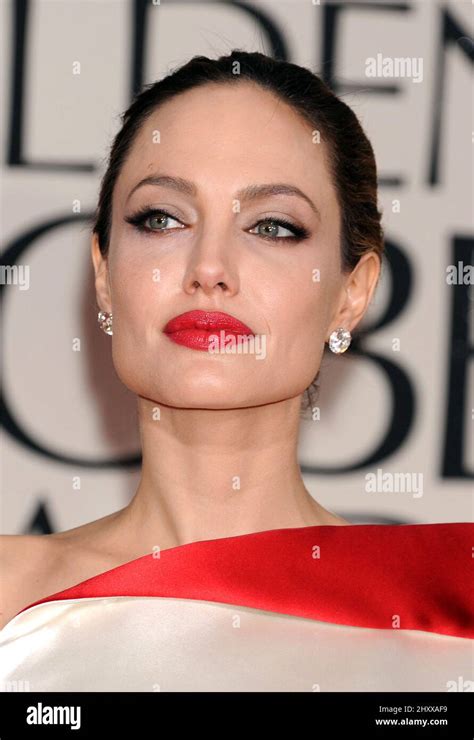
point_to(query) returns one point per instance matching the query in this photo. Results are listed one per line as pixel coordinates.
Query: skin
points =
(223, 418)
(216, 411)
(222, 458)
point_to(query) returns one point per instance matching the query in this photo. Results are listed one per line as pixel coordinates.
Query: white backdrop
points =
(69, 435)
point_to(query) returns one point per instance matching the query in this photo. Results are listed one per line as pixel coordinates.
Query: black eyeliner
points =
(299, 231)
(139, 217)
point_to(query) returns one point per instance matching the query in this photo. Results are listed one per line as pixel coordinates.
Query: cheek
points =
(139, 312)
(136, 287)
(296, 299)
(300, 314)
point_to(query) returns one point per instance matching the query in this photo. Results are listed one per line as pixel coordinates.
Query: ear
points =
(101, 269)
(357, 292)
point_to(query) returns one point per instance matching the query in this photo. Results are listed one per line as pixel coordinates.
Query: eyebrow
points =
(247, 194)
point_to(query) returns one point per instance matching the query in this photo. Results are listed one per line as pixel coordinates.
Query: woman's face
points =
(210, 254)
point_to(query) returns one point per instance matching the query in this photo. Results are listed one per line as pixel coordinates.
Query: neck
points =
(209, 474)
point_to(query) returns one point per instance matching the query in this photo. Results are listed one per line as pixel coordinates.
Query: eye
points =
(273, 225)
(156, 218)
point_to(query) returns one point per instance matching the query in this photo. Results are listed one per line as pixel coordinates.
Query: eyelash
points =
(138, 221)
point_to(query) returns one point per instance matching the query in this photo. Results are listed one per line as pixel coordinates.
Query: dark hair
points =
(351, 158)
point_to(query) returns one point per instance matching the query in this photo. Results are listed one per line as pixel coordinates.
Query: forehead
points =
(224, 137)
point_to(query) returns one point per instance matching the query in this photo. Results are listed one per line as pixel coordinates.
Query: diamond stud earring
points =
(105, 321)
(340, 340)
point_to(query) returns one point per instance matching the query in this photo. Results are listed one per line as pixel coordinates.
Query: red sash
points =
(411, 576)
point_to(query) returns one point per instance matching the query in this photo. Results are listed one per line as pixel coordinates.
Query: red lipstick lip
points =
(208, 321)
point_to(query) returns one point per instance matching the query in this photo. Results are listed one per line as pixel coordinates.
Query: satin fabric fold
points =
(395, 577)
(149, 644)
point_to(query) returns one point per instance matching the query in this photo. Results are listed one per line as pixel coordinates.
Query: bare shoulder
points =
(23, 551)
(35, 566)
(25, 561)
(12, 545)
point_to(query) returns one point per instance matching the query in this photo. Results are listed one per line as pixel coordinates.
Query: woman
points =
(237, 232)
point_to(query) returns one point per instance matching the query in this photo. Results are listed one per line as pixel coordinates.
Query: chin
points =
(200, 394)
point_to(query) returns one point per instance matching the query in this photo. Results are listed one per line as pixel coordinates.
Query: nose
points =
(210, 267)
